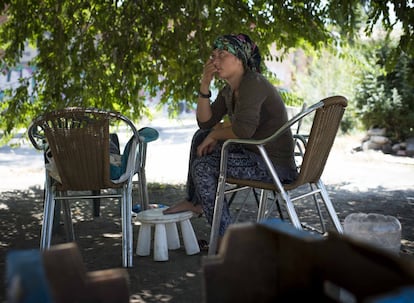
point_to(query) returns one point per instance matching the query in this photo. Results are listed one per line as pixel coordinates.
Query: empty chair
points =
(78, 141)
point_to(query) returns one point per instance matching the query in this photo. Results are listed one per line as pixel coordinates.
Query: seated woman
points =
(255, 110)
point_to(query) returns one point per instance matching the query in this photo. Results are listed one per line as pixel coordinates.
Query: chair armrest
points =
(302, 138)
(279, 132)
(38, 140)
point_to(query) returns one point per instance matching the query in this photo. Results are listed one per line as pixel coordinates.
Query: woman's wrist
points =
(203, 95)
(204, 86)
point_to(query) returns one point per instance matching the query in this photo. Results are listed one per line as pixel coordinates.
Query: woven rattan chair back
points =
(78, 141)
(320, 141)
(79, 144)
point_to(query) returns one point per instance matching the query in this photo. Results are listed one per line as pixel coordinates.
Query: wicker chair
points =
(328, 114)
(232, 190)
(78, 139)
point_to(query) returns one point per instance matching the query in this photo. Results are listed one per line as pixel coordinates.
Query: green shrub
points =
(386, 99)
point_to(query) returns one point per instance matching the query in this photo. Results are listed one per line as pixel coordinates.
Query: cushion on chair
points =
(117, 169)
(147, 134)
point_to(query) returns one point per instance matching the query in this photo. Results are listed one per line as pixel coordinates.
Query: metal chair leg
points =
(261, 213)
(329, 207)
(126, 213)
(67, 215)
(318, 208)
(144, 189)
(48, 215)
(218, 211)
(56, 218)
(283, 194)
(279, 208)
(96, 203)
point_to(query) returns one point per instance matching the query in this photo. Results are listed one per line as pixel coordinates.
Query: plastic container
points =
(379, 230)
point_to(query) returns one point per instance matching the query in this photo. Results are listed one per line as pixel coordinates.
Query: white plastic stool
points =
(166, 233)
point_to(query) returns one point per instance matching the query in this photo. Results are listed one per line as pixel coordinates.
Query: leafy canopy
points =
(106, 54)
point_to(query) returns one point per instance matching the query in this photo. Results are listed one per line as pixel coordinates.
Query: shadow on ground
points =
(180, 279)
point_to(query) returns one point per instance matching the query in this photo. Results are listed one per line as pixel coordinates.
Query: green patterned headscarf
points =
(242, 47)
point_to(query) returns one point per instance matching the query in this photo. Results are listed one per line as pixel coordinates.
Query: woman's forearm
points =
(223, 133)
(203, 111)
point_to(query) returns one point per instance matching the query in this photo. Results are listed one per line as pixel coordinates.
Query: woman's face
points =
(225, 63)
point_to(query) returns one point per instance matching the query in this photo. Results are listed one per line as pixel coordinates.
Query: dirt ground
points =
(357, 182)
